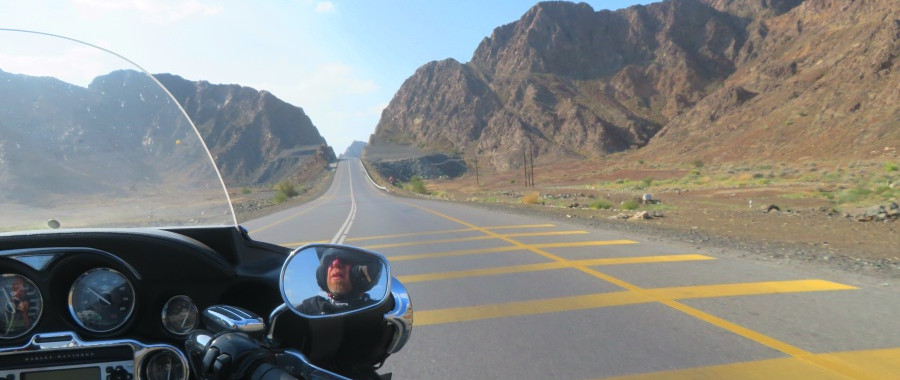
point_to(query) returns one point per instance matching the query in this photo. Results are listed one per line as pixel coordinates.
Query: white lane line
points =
(342, 232)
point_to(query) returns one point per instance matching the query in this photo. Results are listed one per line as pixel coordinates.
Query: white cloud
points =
(157, 11)
(76, 65)
(324, 7)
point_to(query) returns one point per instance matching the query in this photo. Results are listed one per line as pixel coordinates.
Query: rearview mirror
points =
(328, 280)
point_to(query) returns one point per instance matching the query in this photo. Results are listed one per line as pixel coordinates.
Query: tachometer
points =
(20, 305)
(101, 300)
(180, 315)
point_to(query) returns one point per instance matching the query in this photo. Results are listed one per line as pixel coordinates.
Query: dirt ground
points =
(738, 217)
(803, 230)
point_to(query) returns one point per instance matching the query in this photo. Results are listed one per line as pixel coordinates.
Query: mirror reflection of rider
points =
(345, 277)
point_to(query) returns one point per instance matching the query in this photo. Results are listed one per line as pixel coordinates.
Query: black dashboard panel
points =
(158, 264)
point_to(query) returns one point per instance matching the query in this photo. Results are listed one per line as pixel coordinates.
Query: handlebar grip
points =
(268, 371)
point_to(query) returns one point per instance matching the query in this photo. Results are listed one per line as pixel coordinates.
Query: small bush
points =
(286, 188)
(601, 204)
(279, 197)
(891, 167)
(245, 191)
(647, 181)
(852, 195)
(630, 204)
(697, 163)
(417, 185)
(531, 198)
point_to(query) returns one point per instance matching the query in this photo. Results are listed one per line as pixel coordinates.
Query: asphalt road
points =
(503, 296)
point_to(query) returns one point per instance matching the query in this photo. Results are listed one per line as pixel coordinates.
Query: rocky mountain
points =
(254, 137)
(52, 130)
(355, 149)
(679, 79)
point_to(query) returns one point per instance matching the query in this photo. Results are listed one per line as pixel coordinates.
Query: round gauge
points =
(20, 305)
(101, 300)
(165, 365)
(180, 315)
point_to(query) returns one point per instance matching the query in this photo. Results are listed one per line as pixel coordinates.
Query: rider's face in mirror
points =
(339, 277)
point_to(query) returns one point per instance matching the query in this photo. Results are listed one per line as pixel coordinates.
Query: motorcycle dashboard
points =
(101, 284)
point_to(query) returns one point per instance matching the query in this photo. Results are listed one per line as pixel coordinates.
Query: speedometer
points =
(20, 305)
(101, 300)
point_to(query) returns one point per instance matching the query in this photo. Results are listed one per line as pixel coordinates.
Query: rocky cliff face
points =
(816, 82)
(254, 137)
(567, 81)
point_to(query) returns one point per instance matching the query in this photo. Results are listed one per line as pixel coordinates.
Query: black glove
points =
(233, 356)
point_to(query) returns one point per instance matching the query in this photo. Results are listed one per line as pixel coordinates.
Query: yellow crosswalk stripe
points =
(521, 247)
(470, 238)
(444, 232)
(547, 266)
(593, 301)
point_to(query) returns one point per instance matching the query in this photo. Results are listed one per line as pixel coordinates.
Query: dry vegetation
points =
(819, 204)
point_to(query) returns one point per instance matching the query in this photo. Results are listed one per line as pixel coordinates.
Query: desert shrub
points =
(630, 204)
(279, 197)
(531, 197)
(286, 189)
(601, 204)
(417, 185)
(647, 181)
(697, 163)
(852, 195)
(891, 167)
(245, 190)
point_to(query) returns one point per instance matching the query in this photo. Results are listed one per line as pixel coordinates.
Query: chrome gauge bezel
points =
(3, 308)
(170, 307)
(76, 287)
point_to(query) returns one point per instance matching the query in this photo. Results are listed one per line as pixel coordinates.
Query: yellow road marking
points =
(547, 266)
(831, 365)
(883, 363)
(442, 232)
(470, 238)
(520, 247)
(593, 301)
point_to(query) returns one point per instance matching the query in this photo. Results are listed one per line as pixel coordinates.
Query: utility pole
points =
(525, 165)
(531, 151)
(477, 183)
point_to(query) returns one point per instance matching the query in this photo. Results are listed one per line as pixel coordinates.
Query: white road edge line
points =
(370, 177)
(342, 232)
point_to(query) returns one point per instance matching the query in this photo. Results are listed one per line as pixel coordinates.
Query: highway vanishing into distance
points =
(505, 296)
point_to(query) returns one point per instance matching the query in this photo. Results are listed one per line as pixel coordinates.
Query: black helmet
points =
(364, 271)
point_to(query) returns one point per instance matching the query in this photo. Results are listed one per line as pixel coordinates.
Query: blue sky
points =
(341, 61)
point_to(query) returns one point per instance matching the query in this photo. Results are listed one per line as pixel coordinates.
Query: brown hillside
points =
(716, 80)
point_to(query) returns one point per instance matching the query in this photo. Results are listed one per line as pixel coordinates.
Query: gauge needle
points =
(11, 309)
(100, 296)
(9, 303)
(184, 321)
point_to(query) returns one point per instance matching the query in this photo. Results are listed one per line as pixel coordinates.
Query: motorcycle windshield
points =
(89, 139)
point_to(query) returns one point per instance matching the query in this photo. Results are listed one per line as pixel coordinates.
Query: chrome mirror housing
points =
(325, 280)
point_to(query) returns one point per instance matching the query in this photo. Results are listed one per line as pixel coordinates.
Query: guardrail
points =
(370, 177)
